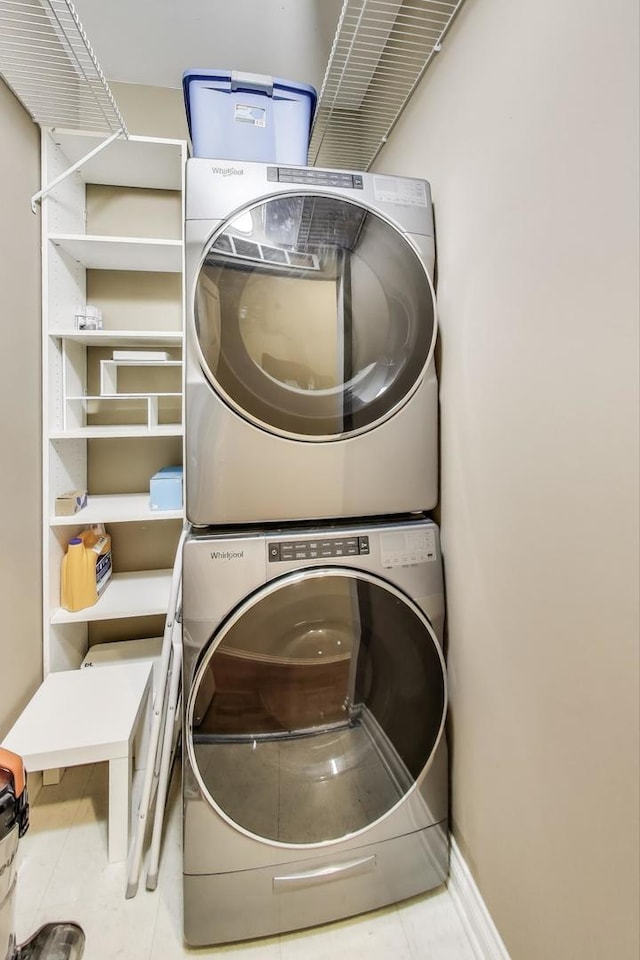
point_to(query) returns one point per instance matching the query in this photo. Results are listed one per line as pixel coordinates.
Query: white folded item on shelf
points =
(142, 355)
(126, 651)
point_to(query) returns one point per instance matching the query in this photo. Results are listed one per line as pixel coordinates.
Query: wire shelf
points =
(47, 60)
(380, 52)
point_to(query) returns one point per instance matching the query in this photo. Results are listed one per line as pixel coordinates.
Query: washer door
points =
(315, 317)
(316, 706)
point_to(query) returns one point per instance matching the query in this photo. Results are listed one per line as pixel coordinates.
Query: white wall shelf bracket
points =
(41, 194)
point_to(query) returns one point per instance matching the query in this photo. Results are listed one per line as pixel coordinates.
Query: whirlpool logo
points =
(228, 171)
(227, 554)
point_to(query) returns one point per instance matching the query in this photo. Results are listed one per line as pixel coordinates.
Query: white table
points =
(88, 716)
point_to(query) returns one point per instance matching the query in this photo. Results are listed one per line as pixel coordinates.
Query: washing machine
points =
(314, 692)
(311, 326)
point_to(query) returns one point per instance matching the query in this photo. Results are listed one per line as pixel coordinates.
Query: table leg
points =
(142, 730)
(119, 807)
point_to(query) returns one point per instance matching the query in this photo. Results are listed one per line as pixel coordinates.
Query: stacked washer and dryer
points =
(314, 684)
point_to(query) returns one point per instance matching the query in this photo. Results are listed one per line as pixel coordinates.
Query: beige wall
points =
(527, 127)
(151, 111)
(20, 510)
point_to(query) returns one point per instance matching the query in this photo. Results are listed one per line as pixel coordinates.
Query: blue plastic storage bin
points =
(165, 489)
(247, 116)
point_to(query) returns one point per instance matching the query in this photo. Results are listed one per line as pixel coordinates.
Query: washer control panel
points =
(318, 549)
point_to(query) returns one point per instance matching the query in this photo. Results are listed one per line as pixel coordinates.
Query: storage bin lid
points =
(166, 473)
(229, 81)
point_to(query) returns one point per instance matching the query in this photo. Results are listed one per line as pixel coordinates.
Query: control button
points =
(357, 182)
(352, 541)
(274, 552)
(363, 544)
(352, 551)
(272, 173)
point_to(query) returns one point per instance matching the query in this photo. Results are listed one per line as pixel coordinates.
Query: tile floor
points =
(64, 875)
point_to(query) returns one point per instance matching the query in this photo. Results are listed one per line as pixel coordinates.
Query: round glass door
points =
(315, 318)
(316, 707)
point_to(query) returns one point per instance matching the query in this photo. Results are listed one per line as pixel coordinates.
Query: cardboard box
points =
(69, 503)
(165, 489)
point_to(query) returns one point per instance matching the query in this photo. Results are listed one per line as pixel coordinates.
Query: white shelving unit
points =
(143, 593)
(109, 372)
(102, 429)
(121, 253)
(116, 508)
(98, 431)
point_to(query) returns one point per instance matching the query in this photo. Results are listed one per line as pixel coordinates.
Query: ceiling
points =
(154, 41)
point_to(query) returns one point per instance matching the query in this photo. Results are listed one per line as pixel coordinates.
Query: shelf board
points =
(106, 431)
(121, 396)
(121, 253)
(136, 162)
(120, 338)
(158, 364)
(140, 594)
(116, 508)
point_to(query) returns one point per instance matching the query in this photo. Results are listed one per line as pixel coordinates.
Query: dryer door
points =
(316, 707)
(315, 318)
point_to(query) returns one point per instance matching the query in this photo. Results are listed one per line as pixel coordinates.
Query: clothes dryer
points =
(314, 692)
(311, 389)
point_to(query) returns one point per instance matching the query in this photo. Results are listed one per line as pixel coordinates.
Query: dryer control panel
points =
(315, 178)
(406, 548)
(318, 549)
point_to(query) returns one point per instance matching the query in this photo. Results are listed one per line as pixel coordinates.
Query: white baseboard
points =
(476, 919)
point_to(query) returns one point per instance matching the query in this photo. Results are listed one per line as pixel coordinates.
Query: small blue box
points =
(247, 116)
(165, 489)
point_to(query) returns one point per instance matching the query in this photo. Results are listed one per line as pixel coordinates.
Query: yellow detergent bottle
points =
(86, 569)
(78, 582)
